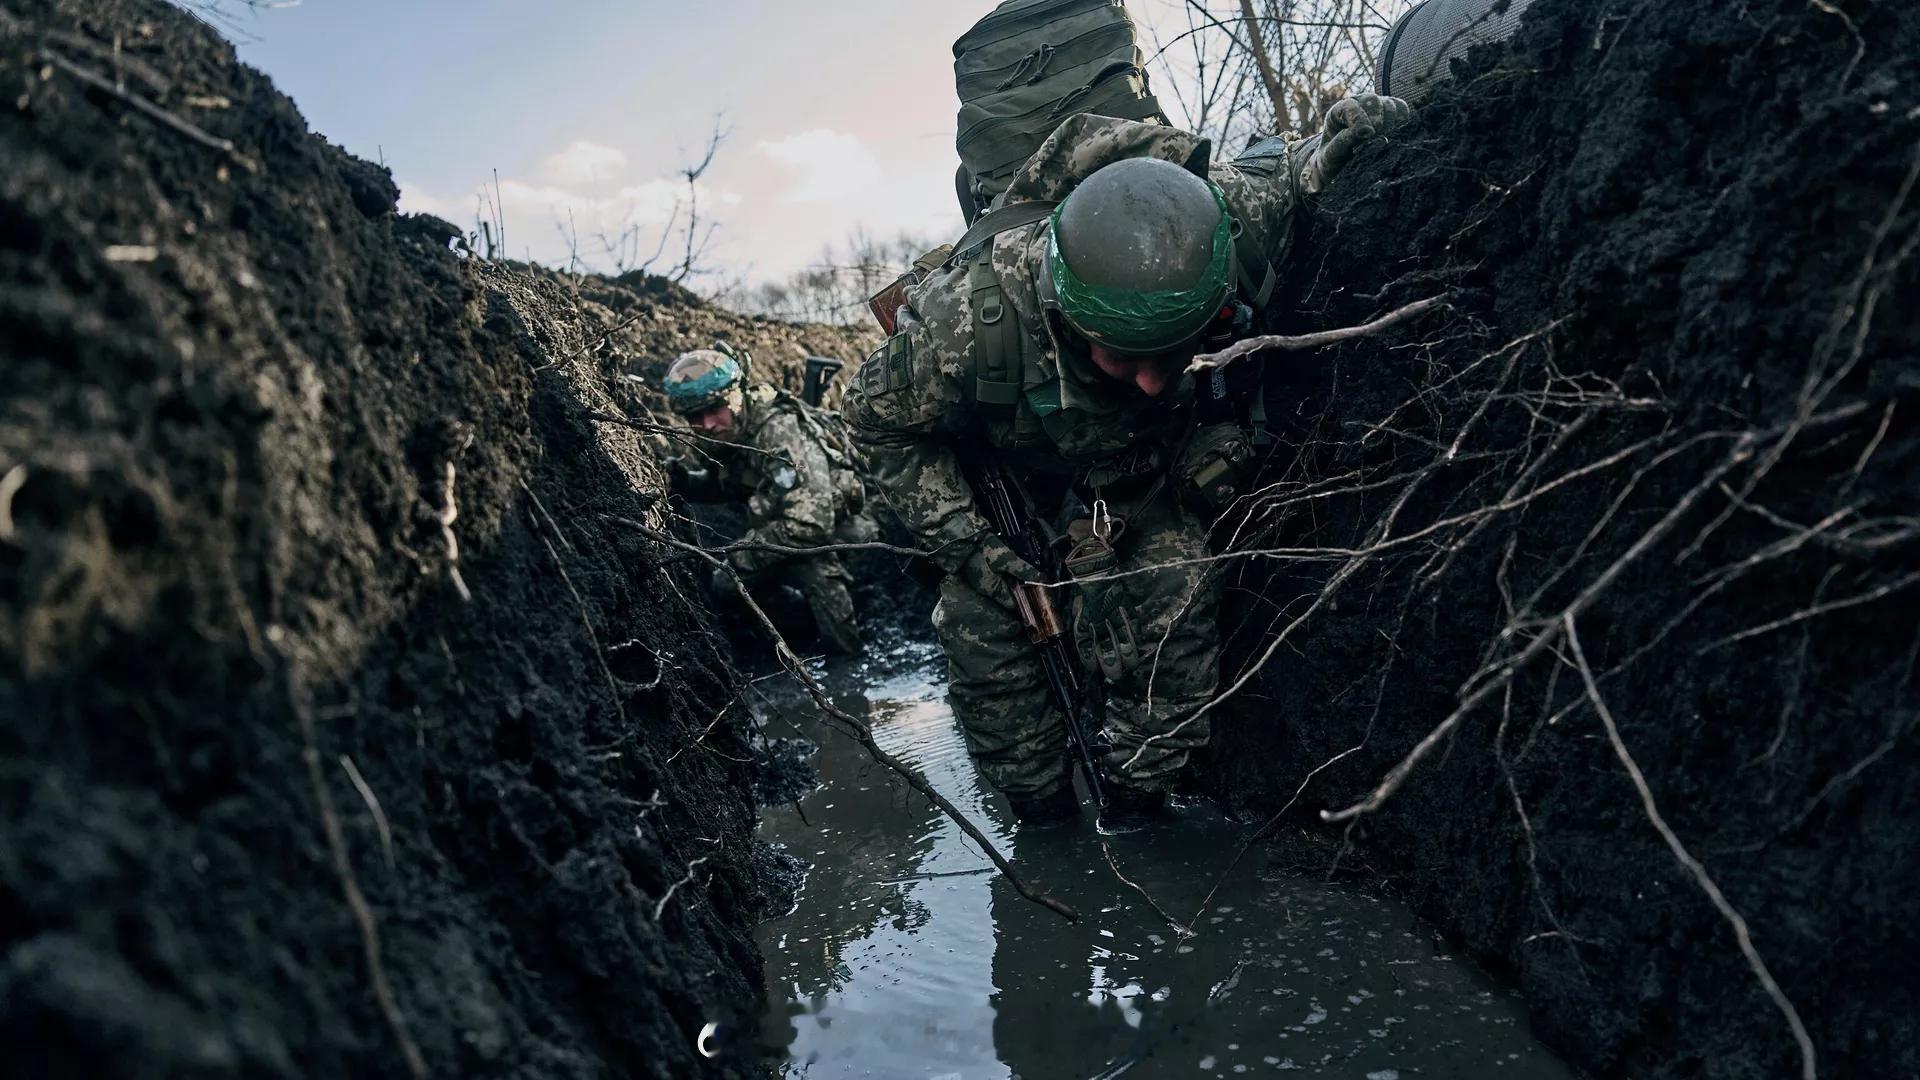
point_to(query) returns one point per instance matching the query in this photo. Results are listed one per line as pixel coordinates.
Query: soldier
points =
(795, 472)
(1053, 341)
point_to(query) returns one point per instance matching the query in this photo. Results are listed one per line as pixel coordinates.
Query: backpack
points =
(1028, 65)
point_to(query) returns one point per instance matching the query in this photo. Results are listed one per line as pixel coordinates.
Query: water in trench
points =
(906, 956)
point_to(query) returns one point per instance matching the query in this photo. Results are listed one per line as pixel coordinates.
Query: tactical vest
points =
(842, 456)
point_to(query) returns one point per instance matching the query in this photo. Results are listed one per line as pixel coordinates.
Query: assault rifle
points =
(1005, 509)
(820, 372)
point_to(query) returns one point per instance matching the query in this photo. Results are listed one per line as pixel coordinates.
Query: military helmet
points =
(1139, 256)
(698, 380)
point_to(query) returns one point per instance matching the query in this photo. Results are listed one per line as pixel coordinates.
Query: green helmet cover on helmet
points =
(1144, 320)
(699, 380)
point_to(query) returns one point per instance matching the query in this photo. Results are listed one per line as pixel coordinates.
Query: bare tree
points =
(835, 288)
(697, 238)
(1240, 69)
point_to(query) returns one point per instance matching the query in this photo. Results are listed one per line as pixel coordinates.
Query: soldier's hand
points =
(1351, 122)
(1212, 464)
(993, 569)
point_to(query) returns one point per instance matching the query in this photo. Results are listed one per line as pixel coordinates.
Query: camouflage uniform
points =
(1065, 427)
(802, 488)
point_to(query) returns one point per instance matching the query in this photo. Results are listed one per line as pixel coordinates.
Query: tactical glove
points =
(1212, 465)
(1351, 122)
(993, 569)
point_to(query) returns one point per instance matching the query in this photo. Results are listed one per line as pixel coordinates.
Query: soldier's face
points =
(717, 421)
(1151, 375)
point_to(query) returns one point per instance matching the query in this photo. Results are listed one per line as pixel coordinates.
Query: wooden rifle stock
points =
(994, 492)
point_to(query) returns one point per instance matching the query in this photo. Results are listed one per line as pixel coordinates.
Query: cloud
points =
(828, 166)
(583, 163)
(415, 199)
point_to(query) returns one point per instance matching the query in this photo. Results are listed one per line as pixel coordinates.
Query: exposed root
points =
(448, 514)
(10, 485)
(693, 866)
(373, 807)
(350, 887)
(1808, 1067)
(593, 639)
(1296, 342)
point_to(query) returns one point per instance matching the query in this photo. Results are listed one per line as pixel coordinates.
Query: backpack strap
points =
(996, 336)
(1253, 274)
(1001, 219)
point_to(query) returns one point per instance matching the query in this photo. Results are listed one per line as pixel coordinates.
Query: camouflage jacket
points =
(800, 483)
(917, 398)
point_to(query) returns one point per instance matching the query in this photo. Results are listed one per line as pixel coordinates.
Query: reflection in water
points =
(907, 956)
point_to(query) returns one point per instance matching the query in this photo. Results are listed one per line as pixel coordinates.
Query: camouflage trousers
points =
(1167, 613)
(823, 582)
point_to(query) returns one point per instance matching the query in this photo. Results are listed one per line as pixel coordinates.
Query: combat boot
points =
(1061, 805)
(1130, 809)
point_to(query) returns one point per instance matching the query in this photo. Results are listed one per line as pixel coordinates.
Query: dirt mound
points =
(347, 731)
(644, 322)
(1673, 407)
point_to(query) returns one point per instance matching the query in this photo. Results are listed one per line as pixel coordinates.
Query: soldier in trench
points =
(1056, 348)
(794, 470)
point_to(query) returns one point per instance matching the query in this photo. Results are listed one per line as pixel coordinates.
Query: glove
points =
(1211, 467)
(992, 569)
(1351, 122)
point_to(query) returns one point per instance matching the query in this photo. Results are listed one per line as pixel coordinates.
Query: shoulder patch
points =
(1265, 157)
(889, 367)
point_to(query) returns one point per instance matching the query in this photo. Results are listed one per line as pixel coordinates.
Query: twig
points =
(1261, 832)
(660, 907)
(675, 432)
(1808, 1070)
(1815, 611)
(10, 486)
(790, 549)
(1505, 674)
(599, 341)
(373, 806)
(1294, 342)
(861, 732)
(1859, 43)
(548, 514)
(149, 109)
(1179, 928)
(593, 639)
(350, 887)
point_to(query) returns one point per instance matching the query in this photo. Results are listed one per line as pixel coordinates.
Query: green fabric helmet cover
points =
(699, 380)
(1136, 321)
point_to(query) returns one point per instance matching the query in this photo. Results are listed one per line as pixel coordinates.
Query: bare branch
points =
(1295, 342)
(1694, 868)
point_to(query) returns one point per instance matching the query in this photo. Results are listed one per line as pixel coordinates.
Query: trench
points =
(905, 955)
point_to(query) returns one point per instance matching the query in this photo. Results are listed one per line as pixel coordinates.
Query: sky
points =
(839, 116)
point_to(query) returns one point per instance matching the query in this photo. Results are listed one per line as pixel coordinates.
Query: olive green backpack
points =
(1027, 66)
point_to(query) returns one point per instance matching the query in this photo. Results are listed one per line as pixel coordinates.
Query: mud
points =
(347, 730)
(1702, 215)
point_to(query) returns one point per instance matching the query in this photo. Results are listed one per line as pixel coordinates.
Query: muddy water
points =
(907, 957)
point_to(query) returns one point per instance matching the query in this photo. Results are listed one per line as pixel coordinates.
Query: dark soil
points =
(1706, 217)
(240, 686)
